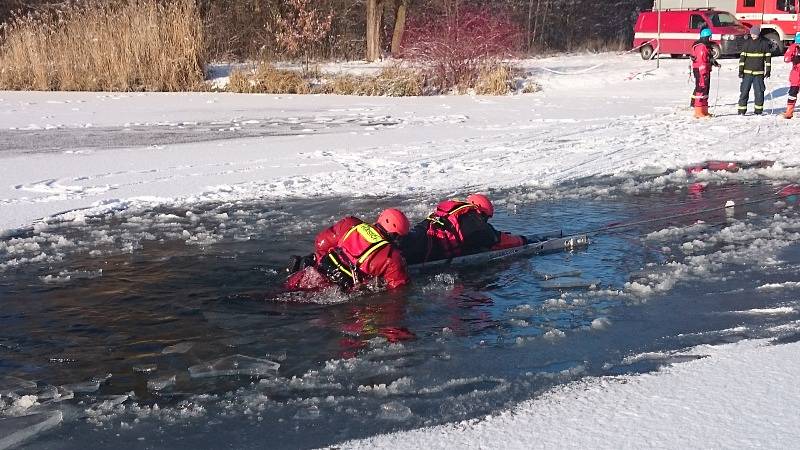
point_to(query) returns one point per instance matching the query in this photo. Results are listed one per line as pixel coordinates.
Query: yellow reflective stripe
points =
(349, 232)
(340, 267)
(460, 208)
(759, 106)
(435, 219)
(755, 55)
(754, 72)
(743, 107)
(372, 250)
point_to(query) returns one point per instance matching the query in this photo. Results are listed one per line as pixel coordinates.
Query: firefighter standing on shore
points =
(755, 64)
(702, 60)
(792, 56)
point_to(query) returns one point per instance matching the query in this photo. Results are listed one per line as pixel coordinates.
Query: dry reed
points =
(134, 45)
(494, 79)
(268, 80)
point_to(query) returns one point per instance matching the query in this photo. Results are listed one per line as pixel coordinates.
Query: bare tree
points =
(373, 22)
(400, 15)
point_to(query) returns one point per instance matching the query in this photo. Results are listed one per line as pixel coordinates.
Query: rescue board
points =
(537, 245)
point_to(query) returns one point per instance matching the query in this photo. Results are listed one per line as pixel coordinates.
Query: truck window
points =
(749, 3)
(697, 22)
(722, 20)
(786, 5)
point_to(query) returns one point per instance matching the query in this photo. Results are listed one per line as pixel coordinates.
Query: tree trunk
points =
(401, 10)
(374, 13)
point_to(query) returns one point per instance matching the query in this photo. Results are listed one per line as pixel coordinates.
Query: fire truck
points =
(777, 18)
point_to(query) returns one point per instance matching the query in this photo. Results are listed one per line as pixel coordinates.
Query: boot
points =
(705, 112)
(698, 112)
(789, 112)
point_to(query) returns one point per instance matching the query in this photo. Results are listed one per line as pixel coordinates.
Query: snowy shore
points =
(737, 396)
(97, 152)
(62, 151)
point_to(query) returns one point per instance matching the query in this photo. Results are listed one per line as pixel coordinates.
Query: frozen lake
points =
(167, 327)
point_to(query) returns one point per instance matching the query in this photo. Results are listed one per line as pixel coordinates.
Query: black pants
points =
(793, 91)
(702, 86)
(757, 83)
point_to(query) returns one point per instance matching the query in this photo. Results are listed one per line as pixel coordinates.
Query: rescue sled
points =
(537, 245)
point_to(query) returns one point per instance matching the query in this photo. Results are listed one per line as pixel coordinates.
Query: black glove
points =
(741, 74)
(766, 75)
(716, 64)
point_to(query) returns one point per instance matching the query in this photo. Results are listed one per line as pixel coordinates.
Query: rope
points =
(623, 226)
(596, 66)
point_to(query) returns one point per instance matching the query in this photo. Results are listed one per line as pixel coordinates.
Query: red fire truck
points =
(674, 31)
(777, 18)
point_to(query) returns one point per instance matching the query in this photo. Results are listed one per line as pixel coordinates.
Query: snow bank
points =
(718, 401)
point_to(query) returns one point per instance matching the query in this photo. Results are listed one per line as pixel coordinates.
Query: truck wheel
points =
(716, 52)
(646, 51)
(777, 44)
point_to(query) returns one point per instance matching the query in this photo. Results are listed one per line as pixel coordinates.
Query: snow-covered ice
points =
(595, 123)
(688, 405)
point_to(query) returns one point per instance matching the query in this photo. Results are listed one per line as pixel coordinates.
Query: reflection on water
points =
(202, 283)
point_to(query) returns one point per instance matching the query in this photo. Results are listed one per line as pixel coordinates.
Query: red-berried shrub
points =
(301, 28)
(453, 49)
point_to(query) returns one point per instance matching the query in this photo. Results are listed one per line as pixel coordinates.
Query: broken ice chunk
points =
(145, 368)
(158, 384)
(114, 400)
(395, 411)
(547, 271)
(309, 413)
(55, 394)
(15, 430)
(235, 365)
(182, 347)
(84, 388)
(569, 283)
(9, 385)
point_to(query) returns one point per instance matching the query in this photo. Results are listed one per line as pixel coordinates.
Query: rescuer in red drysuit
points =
(457, 228)
(792, 56)
(702, 60)
(351, 253)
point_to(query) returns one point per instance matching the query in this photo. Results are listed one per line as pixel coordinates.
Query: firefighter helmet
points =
(483, 204)
(394, 221)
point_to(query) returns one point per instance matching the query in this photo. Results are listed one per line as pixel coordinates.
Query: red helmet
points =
(483, 204)
(394, 221)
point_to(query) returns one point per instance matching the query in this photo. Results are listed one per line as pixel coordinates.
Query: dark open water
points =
(140, 304)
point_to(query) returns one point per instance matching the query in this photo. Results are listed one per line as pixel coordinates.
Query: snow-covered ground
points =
(62, 151)
(597, 115)
(737, 396)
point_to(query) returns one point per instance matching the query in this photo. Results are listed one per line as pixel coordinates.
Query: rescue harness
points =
(344, 264)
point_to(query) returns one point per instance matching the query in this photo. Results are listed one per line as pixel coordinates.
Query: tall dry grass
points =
(268, 80)
(133, 45)
(494, 79)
